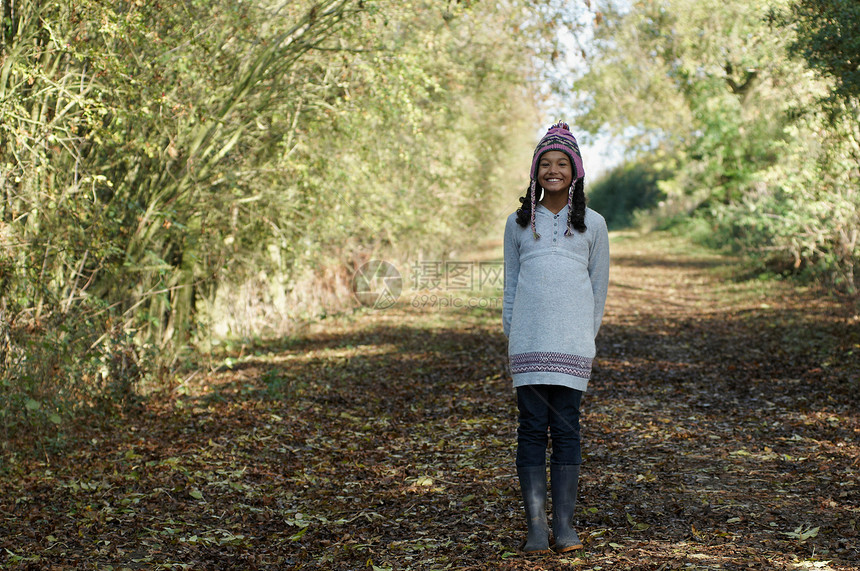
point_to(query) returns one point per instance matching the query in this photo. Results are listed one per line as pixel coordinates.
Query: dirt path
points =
(721, 432)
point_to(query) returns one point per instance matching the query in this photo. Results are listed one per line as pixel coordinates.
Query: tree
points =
(713, 91)
(828, 37)
(157, 157)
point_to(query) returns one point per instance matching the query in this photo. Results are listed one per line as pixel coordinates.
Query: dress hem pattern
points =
(548, 362)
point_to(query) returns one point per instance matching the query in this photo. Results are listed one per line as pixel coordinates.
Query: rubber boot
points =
(533, 486)
(565, 479)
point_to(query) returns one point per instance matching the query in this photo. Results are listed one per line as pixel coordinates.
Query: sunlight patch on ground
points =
(819, 565)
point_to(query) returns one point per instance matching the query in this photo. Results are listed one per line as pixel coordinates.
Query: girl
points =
(556, 276)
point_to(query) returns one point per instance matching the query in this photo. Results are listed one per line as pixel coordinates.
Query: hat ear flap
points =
(533, 199)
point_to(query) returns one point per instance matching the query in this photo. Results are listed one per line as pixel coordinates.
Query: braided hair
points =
(575, 214)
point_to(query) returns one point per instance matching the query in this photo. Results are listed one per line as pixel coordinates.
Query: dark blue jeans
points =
(553, 407)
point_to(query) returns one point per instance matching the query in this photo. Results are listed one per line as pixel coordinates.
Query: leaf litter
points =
(720, 432)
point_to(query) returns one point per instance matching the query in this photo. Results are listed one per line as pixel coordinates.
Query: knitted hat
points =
(557, 138)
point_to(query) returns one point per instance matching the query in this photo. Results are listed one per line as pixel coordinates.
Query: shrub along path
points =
(721, 432)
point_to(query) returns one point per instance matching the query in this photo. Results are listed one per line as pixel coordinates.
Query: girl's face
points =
(555, 173)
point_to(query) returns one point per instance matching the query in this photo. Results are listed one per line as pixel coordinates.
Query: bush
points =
(61, 368)
(795, 233)
(624, 191)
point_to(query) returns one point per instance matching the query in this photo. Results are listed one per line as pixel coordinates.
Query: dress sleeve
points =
(598, 269)
(512, 272)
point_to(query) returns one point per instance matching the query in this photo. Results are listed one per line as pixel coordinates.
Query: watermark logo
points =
(452, 275)
(434, 284)
(377, 284)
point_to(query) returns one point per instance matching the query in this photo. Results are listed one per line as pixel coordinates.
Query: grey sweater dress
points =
(555, 291)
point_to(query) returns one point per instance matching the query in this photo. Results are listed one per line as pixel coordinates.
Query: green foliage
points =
(715, 90)
(803, 220)
(625, 191)
(828, 37)
(161, 162)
